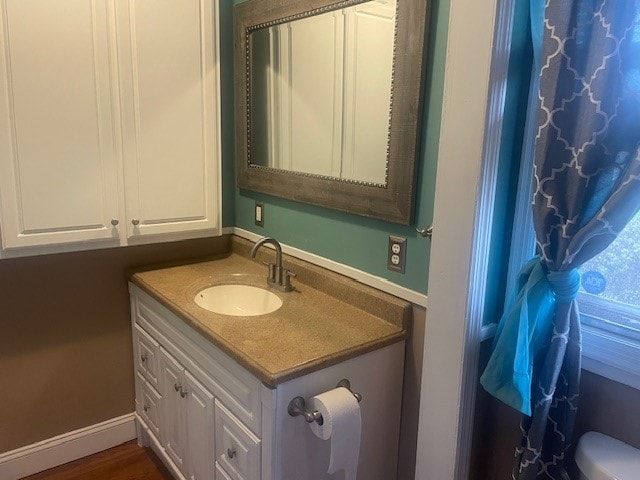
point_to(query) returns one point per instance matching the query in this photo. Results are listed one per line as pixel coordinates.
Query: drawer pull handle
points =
(135, 222)
(231, 452)
(178, 388)
(146, 407)
(114, 222)
(144, 357)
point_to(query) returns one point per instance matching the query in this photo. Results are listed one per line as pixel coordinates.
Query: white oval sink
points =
(238, 300)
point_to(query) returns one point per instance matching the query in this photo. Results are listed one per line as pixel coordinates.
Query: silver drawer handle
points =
(135, 222)
(146, 407)
(177, 387)
(231, 452)
(144, 357)
(115, 222)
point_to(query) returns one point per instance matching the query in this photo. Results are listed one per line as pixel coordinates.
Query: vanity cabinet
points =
(180, 406)
(208, 417)
(109, 123)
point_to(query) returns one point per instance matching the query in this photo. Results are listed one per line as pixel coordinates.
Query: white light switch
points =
(259, 214)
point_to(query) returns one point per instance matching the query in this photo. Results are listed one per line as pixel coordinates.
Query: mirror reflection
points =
(321, 91)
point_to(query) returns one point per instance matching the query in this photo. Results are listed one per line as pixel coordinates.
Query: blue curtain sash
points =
(524, 333)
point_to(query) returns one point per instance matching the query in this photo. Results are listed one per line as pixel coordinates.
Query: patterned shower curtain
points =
(586, 189)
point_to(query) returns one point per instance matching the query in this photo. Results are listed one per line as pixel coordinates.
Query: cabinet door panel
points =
(201, 452)
(169, 85)
(57, 166)
(237, 449)
(174, 425)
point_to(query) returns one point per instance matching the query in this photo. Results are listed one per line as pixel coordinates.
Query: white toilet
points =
(604, 458)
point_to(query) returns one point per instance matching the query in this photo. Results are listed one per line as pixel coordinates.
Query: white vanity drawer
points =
(147, 356)
(148, 405)
(221, 474)
(237, 449)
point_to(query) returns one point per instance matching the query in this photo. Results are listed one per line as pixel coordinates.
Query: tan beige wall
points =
(411, 396)
(65, 338)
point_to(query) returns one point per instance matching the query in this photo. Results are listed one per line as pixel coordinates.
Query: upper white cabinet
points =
(58, 179)
(109, 122)
(169, 88)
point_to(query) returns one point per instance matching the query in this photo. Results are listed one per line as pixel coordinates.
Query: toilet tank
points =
(600, 457)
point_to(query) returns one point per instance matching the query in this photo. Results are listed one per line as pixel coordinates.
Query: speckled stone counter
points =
(327, 319)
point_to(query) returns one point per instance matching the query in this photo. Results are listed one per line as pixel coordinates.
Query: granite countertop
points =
(328, 318)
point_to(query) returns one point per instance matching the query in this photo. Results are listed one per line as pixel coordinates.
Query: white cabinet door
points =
(174, 425)
(58, 176)
(169, 92)
(201, 432)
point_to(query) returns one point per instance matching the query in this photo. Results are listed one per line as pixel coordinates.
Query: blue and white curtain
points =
(586, 189)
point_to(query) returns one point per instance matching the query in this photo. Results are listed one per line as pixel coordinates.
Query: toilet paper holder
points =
(297, 406)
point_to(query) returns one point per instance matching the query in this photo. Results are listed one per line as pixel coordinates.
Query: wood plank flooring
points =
(124, 462)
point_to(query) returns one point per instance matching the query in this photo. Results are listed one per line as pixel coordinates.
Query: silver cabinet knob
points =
(135, 222)
(144, 357)
(231, 452)
(146, 407)
(183, 393)
(115, 222)
(177, 387)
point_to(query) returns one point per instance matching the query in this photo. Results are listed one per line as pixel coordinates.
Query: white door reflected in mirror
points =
(321, 93)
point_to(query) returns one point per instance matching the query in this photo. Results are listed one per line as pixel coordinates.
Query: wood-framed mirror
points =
(328, 102)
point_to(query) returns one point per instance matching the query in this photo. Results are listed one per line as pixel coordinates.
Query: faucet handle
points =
(272, 271)
(286, 280)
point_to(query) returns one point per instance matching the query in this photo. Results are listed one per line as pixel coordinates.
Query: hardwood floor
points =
(124, 462)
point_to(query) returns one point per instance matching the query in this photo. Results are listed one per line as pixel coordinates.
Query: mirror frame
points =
(393, 202)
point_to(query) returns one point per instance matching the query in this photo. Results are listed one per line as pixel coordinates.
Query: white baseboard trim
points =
(67, 447)
(362, 277)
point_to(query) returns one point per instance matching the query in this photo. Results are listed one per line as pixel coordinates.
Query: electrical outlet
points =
(259, 214)
(397, 253)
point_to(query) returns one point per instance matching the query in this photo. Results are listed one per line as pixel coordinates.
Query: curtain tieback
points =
(565, 284)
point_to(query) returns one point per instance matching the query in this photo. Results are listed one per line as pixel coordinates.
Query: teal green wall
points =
(349, 239)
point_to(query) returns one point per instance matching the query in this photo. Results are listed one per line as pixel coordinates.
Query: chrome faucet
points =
(278, 277)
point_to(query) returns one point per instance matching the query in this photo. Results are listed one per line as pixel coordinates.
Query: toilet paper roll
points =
(342, 425)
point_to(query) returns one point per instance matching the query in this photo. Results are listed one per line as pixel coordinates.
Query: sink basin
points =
(238, 300)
